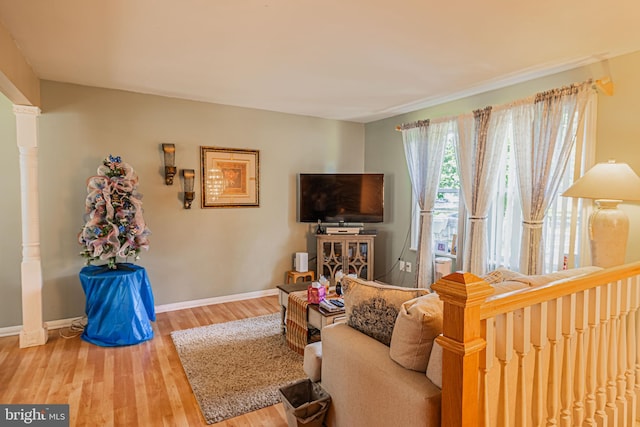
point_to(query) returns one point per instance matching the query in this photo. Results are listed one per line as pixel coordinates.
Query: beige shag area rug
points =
(237, 367)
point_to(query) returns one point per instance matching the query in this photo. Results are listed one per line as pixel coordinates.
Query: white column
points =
(34, 331)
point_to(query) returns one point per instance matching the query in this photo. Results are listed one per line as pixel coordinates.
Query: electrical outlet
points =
(401, 265)
(407, 267)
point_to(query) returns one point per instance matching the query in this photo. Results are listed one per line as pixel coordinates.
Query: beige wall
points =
(10, 231)
(17, 80)
(194, 254)
(618, 136)
(206, 253)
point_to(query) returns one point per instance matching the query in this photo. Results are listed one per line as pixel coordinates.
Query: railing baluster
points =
(553, 333)
(486, 363)
(539, 341)
(603, 342)
(621, 380)
(582, 322)
(522, 346)
(592, 357)
(637, 366)
(504, 352)
(632, 345)
(612, 360)
(568, 327)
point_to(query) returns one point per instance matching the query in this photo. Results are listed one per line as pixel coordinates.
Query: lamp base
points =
(608, 233)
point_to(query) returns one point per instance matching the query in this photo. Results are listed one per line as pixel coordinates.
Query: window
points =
(563, 232)
(446, 209)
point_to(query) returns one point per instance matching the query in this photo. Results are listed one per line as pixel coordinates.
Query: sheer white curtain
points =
(481, 137)
(544, 134)
(424, 150)
(505, 214)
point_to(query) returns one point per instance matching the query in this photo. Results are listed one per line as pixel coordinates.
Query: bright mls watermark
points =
(34, 415)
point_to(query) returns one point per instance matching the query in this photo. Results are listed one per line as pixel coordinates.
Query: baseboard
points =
(53, 324)
(64, 323)
(215, 300)
(10, 330)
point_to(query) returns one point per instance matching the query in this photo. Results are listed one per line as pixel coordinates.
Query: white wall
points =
(194, 254)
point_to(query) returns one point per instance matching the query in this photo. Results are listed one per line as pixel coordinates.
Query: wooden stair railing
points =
(562, 354)
(461, 341)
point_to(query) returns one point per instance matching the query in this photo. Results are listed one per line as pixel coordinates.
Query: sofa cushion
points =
(509, 275)
(418, 323)
(543, 279)
(368, 389)
(508, 286)
(494, 276)
(372, 308)
(434, 368)
(312, 364)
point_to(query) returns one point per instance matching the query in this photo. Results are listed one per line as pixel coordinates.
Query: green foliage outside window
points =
(449, 178)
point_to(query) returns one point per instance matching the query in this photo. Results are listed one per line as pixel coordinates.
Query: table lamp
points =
(608, 184)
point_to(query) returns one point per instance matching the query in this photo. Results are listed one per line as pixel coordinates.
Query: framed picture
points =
(230, 177)
(454, 245)
(441, 247)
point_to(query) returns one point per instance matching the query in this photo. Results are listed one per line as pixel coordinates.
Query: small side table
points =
(119, 305)
(316, 316)
(306, 276)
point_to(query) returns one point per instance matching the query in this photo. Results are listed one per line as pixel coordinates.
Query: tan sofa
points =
(369, 388)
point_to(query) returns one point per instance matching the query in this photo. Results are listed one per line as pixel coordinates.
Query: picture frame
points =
(230, 177)
(454, 245)
(441, 247)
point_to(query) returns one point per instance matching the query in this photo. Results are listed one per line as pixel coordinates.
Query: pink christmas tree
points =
(114, 227)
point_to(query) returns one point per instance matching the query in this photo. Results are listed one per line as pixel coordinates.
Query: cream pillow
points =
(543, 279)
(494, 277)
(434, 368)
(372, 308)
(419, 322)
(508, 286)
(510, 275)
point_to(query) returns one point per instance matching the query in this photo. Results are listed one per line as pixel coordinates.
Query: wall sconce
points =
(169, 163)
(188, 176)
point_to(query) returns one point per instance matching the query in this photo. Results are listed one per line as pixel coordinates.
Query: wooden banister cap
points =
(463, 289)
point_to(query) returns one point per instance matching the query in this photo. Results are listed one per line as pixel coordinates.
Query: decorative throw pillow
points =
(372, 308)
(419, 322)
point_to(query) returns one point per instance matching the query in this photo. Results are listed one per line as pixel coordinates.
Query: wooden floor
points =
(140, 385)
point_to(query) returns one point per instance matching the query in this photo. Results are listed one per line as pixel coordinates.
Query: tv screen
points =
(342, 197)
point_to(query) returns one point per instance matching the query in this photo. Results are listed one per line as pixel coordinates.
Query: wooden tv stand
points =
(353, 254)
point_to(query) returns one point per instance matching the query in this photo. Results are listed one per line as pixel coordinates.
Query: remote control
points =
(337, 303)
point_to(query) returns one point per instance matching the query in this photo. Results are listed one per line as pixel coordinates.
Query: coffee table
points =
(316, 316)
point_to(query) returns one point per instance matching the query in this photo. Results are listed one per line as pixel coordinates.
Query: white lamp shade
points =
(614, 181)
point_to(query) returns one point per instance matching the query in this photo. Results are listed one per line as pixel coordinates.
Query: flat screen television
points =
(341, 197)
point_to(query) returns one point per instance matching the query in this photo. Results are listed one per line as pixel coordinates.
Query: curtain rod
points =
(605, 85)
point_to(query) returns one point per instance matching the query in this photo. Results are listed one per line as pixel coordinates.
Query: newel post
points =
(461, 341)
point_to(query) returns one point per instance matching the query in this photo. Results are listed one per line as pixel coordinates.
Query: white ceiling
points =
(357, 60)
